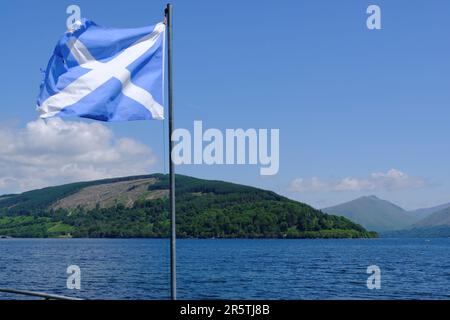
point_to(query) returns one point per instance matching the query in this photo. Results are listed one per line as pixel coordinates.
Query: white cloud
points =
(55, 152)
(391, 180)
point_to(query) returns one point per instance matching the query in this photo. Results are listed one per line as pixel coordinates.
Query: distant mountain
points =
(434, 225)
(420, 214)
(138, 207)
(437, 219)
(374, 214)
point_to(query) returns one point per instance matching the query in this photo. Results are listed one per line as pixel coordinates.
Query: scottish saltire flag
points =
(105, 74)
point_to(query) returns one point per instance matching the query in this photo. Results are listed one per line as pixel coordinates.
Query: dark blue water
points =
(230, 269)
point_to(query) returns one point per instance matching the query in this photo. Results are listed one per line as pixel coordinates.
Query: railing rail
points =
(43, 295)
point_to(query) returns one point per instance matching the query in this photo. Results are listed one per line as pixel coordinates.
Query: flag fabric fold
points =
(106, 74)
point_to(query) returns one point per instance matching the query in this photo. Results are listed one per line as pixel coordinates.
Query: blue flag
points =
(106, 74)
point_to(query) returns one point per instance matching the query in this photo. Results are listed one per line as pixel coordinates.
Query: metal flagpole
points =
(173, 234)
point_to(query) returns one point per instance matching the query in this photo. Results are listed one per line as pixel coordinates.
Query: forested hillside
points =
(141, 209)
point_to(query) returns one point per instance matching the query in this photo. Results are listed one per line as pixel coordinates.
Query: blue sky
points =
(367, 110)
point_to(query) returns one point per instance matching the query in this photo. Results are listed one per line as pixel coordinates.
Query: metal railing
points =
(43, 295)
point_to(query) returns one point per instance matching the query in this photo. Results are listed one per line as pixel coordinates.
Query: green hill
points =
(138, 207)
